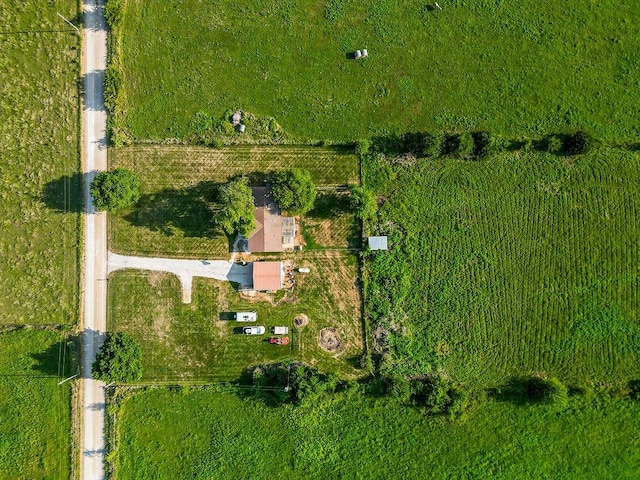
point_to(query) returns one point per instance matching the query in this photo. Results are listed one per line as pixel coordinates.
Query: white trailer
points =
(245, 316)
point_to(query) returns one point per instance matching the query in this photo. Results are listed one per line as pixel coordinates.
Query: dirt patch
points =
(301, 320)
(155, 279)
(329, 340)
(381, 340)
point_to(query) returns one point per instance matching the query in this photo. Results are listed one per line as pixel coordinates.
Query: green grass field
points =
(524, 68)
(521, 263)
(207, 435)
(173, 217)
(199, 338)
(39, 184)
(35, 413)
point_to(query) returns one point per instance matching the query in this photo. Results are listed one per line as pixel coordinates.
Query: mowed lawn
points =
(35, 413)
(39, 161)
(515, 68)
(201, 342)
(174, 215)
(207, 435)
(522, 263)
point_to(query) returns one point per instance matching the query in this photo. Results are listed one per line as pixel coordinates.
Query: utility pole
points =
(63, 18)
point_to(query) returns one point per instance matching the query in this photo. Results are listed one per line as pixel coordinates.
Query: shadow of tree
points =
(188, 210)
(91, 82)
(521, 390)
(64, 194)
(60, 359)
(328, 205)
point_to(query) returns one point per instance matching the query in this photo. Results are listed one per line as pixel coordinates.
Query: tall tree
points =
(293, 190)
(114, 190)
(236, 211)
(119, 359)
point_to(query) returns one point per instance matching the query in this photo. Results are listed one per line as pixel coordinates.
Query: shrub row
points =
(469, 144)
(291, 382)
(434, 144)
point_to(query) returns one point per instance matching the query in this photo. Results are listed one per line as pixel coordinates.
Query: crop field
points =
(202, 434)
(35, 413)
(202, 340)
(514, 68)
(522, 263)
(173, 216)
(39, 161)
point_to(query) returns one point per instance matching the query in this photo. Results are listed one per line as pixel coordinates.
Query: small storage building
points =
(267, 276)
(378, 243)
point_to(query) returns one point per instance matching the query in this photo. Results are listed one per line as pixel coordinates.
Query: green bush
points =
(634, 389)
(465, 145)
(293, 190)
(578, 143)
(115, 190)
(363, 202)
(432, 144)
(400, 388)
(554, 144)
(113, 12)
(485, 144)
(119, 359)
(236, 214)
(112, 84)
(439, 395)
(549, 391)
(363, 146)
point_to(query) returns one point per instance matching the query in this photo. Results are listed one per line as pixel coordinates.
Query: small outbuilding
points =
(378, 243)
(267, 276)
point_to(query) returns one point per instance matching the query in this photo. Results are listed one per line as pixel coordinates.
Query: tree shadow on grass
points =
(59, 359)
(187, 210)
(64, 194)
(328, 205)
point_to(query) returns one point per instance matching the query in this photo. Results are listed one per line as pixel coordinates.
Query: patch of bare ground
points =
(301, 320)
(329, 340)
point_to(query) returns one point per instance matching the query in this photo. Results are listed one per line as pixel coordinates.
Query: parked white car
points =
(253, 330)
(279, 330)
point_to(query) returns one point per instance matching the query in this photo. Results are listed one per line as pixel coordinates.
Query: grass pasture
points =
(204, 435)
(200, 338)
(35, 413)
(39, 183)
(173, 217)
(527, 262)
(525, 68)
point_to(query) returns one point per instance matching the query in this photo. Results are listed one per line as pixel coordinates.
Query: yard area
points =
(200, 342)
(173, 216)
(521, 263)
(39, 180)
(35, 412)
(202, 434)
(513, 68)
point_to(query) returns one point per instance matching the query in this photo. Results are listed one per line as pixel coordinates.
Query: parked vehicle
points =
(304, 270)
(279, 340)
(253, 330)
(245, 316)
(280, 330)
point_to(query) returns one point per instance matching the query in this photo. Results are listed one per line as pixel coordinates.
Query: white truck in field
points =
(279, 330)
